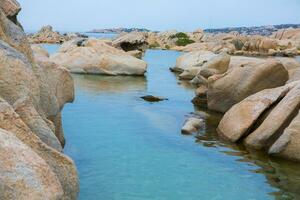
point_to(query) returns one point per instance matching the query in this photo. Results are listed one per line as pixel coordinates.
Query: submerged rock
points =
(92, 56)
(192, 125)
(151, 98)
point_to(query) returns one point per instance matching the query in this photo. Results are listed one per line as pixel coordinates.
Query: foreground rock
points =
(92, 56)
(151, 98)
(32, 95)
(192, 125)
(267, 120)
(240, 82)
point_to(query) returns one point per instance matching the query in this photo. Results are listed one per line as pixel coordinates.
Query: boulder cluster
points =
(48, 35)
(259, 96)
(32, 95)
(284, 42)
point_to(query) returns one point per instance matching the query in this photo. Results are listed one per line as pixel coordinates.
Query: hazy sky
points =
(184, 15)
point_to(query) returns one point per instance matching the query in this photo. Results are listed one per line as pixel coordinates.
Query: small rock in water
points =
(192, 125)
(151, 98)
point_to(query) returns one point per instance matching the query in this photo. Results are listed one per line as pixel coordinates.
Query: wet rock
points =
(151, 98)
(192, 125)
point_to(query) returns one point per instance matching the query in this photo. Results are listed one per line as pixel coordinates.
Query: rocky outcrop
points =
(32, 95)
(290, 33)
(192, 60)
(11, 8)
(216, 65)
(240, 82)
(47, 35)
(267, 120)
(92, 56)
(131, 42)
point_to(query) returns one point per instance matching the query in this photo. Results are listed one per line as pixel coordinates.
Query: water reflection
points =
(280, 174)
(96, 84)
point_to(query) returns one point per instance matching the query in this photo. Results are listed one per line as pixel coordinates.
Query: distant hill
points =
(255, 30)
(118, 30)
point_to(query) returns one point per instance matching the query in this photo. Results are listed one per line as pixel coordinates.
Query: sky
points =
(159, 15)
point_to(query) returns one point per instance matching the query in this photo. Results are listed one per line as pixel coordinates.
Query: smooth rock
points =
(192, 125)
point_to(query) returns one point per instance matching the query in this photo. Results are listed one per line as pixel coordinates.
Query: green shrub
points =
(167, 47)
(182, 39)
(179, 35)
(154, 45)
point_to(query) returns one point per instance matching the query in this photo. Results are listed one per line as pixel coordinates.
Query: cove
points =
(126, 148)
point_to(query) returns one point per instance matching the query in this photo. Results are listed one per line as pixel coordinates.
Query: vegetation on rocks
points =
(182, 39)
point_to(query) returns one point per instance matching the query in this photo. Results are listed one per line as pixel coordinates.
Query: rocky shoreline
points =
(33, 94)
(253, 80)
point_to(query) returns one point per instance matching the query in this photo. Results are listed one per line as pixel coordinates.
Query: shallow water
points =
(126, 148)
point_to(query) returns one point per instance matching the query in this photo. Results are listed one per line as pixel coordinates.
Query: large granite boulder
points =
(23, 174)
(132, 41)
(192, 60)
(92, 56)
(267, 120)
(32, 95)
(240, 82)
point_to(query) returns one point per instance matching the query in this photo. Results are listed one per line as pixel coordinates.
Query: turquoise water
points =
(126, 148)
(51, 48)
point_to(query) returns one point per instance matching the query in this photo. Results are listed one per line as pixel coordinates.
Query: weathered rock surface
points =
(33, 92)
(92, 56)
(25, 175)
(267, 120)
(132, 41)
(290, 33)
(240, 82)
(192, 59)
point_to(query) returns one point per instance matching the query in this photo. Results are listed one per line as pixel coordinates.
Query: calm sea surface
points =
(127, 149)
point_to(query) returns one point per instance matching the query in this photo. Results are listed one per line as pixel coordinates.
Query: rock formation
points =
(267, 120)
(32, 95)
(240, 82)
(134, 41)
(47, 35)
(93, 56)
